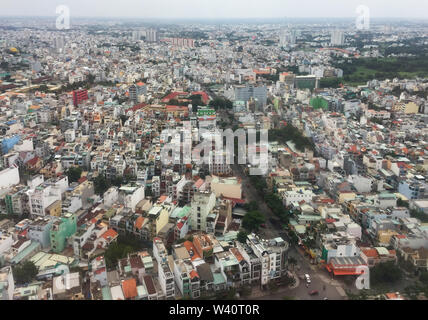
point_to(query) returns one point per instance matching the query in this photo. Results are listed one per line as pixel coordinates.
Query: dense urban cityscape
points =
(116, 182)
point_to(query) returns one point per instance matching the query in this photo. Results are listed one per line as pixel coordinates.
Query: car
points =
(263, 225)
(313, 292)
(308, 278)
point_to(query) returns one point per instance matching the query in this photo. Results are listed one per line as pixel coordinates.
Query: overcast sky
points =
(216, 8)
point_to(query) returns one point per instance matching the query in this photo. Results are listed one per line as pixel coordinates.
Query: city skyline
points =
(222, 9)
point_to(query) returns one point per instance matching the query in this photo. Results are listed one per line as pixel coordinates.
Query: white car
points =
(308, 278)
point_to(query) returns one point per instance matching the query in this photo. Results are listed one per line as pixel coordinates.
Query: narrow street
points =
(320, 277)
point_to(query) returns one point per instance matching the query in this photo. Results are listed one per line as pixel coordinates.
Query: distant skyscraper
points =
(152, 35)
(287, 38)
(137, 90)
(59, 44)
(79, 96)
(136, 35)
(337, 38)
(248, 92)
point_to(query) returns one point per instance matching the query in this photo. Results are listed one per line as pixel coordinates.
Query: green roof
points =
(319, 103)
(106, 293)
(218, 278)
(180, 212)
(24, 253)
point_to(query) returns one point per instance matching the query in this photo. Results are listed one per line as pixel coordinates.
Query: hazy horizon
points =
(220, 9)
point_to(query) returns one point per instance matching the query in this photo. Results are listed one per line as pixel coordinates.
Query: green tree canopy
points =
(74, 174)
(385, 273)
(25, 273)
(242, 236)
(101, 184)
(221, 103)
(288, 133)
(252, 220)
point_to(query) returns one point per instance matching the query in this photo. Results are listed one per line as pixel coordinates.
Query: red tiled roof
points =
(149, 284)
(82, 179)
(239, 201)
(33, 161)
(139, 222)
(129, 288)
(173, 95)
(189, 246)
(109, 233)
(371, 253)
(193, 274)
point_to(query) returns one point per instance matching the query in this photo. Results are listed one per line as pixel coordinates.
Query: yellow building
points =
(228, 187)
(408, 108)
(347, 196)
(412, 108)
(55, 209)
(384, 236)
(159, 216)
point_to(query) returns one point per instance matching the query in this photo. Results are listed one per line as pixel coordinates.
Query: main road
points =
(319, 278)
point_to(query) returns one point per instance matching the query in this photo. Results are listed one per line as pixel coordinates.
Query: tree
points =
(118, 181)
(115, 252)
(287, 280)
(242, 236)
(424, 277)
(252, 220)
(101, 185)
(221, 103)
(148, 192)
(419, 215)
(292, 133)
(402, 203)
(252, 206)
(74, 174)
(330, 82)
(292, 261)
(124, 118)
(385, 273)
(25, 273)
(258, 182)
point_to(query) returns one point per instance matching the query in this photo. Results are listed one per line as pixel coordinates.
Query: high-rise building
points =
(337, 38)
(59, 44)
(272, 254)
(287, 38)
(79, 96)
(250, 92)
(136, 35)
(202, 204)
(136, 90)
(152, 35)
